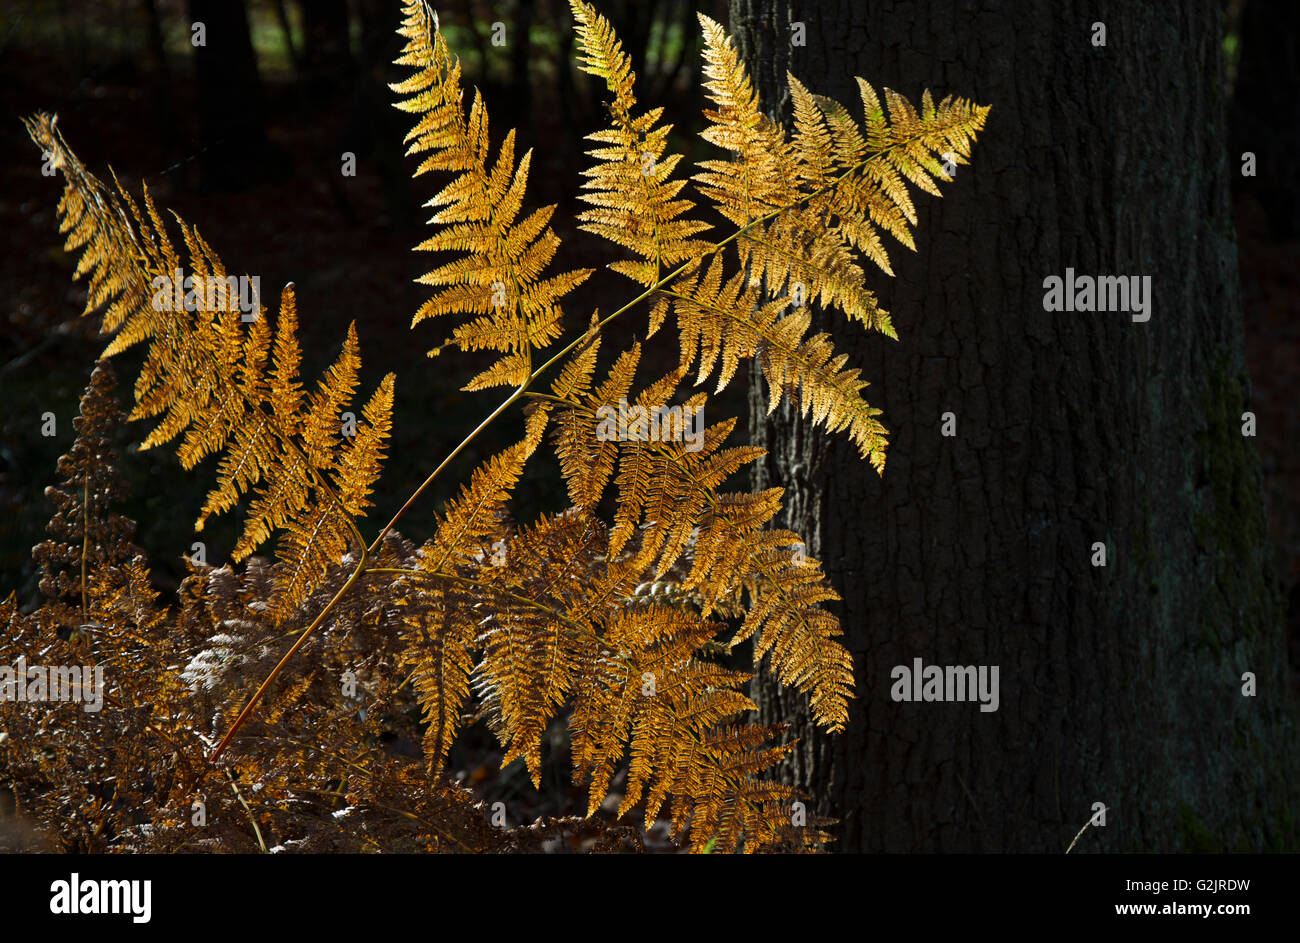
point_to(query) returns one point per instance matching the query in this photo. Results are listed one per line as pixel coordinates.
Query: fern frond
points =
(438, 638)
(547, 590)
(741, 810)
(498, 274)
(762, 178)
(652, 700)
(810, 209)
(475, 519)
(205, 378)
(636, 198)
(669, 495)
(727, 321)
(586, 460)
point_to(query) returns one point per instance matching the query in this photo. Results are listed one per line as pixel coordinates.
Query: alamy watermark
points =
(946, 683)
(626, 423)
(1131, 293)
(181, 292)
(31, 683)
(79, 895)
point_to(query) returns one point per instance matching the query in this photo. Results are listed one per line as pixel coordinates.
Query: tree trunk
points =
(1265, 110)
(1119, 685)
(326, 54)
(235, 152)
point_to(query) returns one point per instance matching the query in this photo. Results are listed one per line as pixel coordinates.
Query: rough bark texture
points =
(1120, 685)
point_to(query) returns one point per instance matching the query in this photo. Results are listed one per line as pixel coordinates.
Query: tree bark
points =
(1119, 685)
(236, 152)
(1264, 115)
(326, 53)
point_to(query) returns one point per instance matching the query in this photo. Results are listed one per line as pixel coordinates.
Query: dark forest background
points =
(248, 145)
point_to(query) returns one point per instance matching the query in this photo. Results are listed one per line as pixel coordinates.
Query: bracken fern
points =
(616, 624)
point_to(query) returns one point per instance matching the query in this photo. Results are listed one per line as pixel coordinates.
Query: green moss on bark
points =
(1231, 527)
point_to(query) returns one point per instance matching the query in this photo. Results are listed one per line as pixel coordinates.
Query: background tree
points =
(236, 152)
(327, 60)
(1265, 109)
(1119, 685)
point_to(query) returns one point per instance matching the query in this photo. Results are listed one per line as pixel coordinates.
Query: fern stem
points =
(447, 461)
(85, 545)
(261, 843)
(275, 672)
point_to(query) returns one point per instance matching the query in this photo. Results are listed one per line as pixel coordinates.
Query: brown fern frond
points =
(86, 536)
(498, 274)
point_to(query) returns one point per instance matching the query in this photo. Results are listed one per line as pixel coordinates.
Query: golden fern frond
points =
(786, 591)
(587, 461)
(552, 630)
(525, 607)
(498, 275)
(798, 244)
(846, 184)
(313, 541)
(205, 378)
(669, 495)
(725, 320)
(84, 202)
(636, 198)
(809, 209)
(574, 379)
(438, 638)
(736, 808)
(555, 633)
(734, 554)
(648, 696)
(440, 625)
(476, 519)
(762, 177)
(442, 613)
(538, 645)
(528, 666)
(854, 185)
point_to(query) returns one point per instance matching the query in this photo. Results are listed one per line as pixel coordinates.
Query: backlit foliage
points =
(266, 693)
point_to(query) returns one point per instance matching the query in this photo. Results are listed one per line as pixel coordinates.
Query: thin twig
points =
(251, 818)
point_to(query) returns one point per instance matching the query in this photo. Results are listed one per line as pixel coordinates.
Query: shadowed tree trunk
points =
(1119, 685)
(1265, 110)
(236, 152)
(326, 57)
